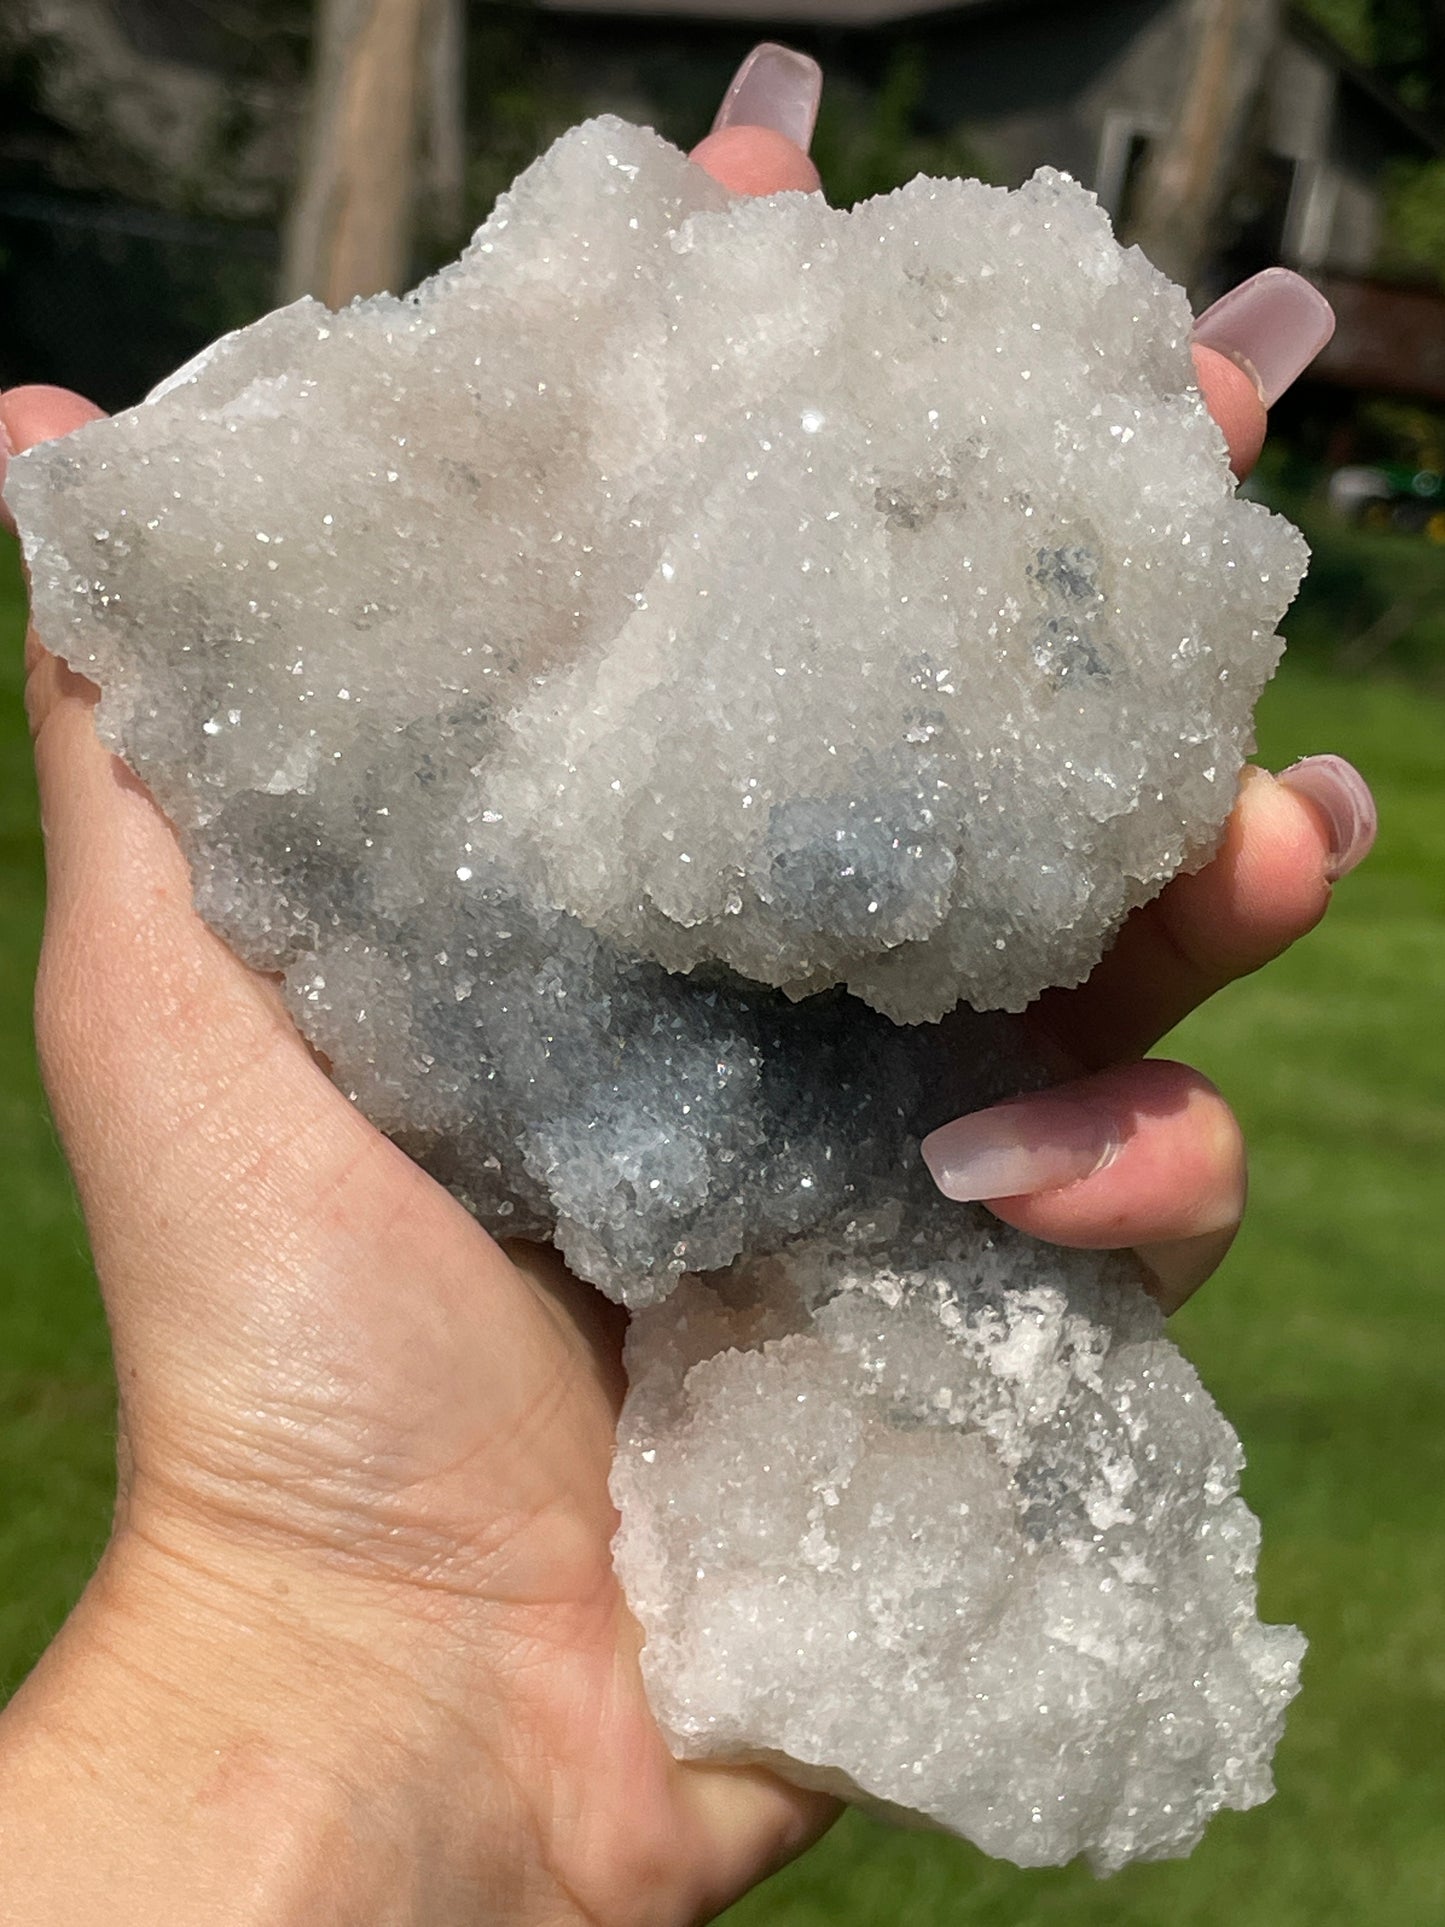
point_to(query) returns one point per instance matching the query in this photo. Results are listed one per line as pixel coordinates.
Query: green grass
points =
(1320, 1338)
(1372, 601)
(55, 1397)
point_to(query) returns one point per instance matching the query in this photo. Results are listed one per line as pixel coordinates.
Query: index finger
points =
(759, 140)
(1253, 344)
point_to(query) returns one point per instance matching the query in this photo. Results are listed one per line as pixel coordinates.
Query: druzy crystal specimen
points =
(942, 1521)
(631, 689)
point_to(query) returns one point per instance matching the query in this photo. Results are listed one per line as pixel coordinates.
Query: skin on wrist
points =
(230, 1750)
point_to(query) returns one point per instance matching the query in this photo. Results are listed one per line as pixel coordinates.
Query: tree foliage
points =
(1415, 220)
(868, 143)
(1403, 41)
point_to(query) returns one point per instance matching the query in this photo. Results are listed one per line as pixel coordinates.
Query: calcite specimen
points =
(632, 689)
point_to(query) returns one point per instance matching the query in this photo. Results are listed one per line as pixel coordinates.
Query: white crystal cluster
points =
(951, 1526)
(630, 690)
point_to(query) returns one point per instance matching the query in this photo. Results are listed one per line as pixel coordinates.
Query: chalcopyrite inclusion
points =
(634, 688)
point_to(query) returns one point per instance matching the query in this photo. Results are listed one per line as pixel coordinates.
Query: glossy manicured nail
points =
(776, 88)
(1016, 1149)
(1342, 796)
(1273, 325)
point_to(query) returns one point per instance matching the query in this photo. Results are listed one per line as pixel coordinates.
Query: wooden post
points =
(444, 122)
(350, 227)
(1187, 174)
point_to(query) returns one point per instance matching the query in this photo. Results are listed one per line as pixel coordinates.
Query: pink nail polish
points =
(1343, 798)
(1273, 325)
(775, 87)
(1016, 1149)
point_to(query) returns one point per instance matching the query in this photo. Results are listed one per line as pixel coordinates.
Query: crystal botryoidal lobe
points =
(633, 689)
(946, 1521)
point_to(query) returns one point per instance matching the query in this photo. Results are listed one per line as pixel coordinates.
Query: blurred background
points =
(171, 168)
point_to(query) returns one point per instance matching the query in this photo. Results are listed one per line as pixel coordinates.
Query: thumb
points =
(31, 415)
(175, 1075)
(131, 980)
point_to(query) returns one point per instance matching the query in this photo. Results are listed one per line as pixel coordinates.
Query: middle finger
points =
(1289, 839)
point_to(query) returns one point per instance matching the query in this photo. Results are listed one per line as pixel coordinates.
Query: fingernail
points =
(1343, 798)
(1016, 1149)
(1273, 325)
(776, 88)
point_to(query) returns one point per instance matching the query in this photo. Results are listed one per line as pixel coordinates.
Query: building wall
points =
(1035, 84)
(1086, 89)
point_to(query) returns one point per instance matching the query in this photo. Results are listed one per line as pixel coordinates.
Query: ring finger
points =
(1146, 1154)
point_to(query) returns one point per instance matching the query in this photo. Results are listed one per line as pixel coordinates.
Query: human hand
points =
(356, 1651)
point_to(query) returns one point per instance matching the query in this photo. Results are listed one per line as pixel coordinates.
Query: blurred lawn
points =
(1320, 1338)
(1372, 601)
(55, 1397)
